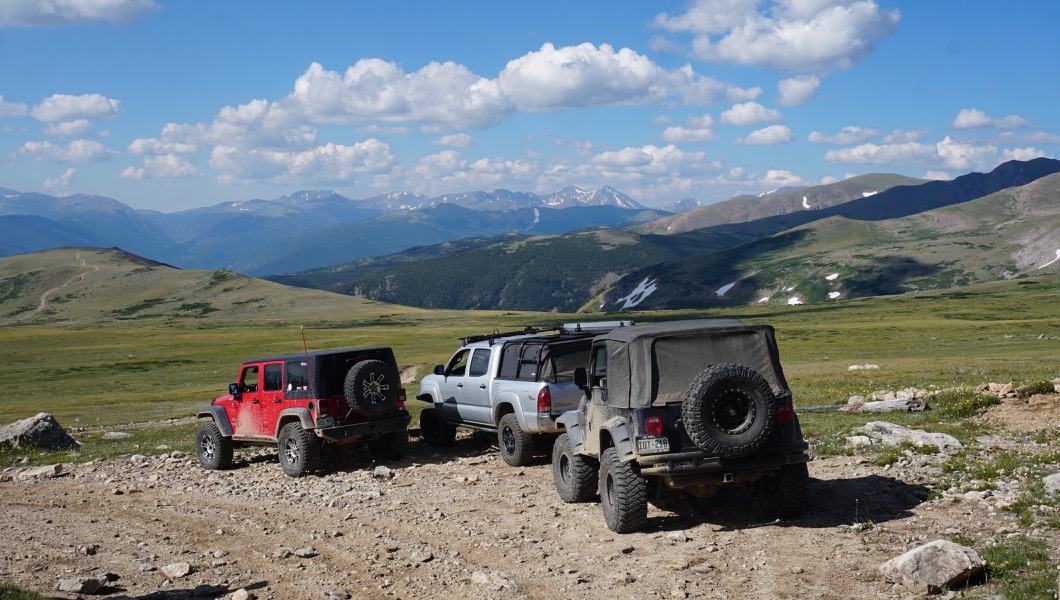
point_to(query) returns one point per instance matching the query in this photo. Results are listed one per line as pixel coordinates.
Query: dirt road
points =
(458, 523)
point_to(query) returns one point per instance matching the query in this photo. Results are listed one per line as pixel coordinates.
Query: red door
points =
(271, 397)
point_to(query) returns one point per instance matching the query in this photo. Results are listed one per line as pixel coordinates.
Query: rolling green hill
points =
(1013, 233)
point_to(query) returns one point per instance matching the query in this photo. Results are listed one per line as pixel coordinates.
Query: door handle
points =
(460, 385)
(482, 386)
(276, 401)
(254, 402)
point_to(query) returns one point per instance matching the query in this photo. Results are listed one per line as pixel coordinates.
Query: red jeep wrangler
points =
(301, 401)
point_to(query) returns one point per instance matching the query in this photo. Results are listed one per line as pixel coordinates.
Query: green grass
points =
(1022, 568)
(10, 592)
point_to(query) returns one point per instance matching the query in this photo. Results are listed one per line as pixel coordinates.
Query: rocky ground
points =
(458, 522)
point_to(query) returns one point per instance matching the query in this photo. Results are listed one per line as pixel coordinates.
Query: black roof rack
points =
(580, 328)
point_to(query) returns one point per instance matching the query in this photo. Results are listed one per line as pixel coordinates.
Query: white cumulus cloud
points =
(797, 90)
(60, 181)
(847, 135)
(44, 13)
(78, 151)
(328, 163)
(749, 113)
(774, 134)
(167, 165)
(804, 35)
(12, 109)
(973, 118)
(69, 128)
(457, 140)
(62, 107)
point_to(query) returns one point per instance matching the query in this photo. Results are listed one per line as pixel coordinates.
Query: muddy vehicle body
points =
(300, 402)
(689, 405)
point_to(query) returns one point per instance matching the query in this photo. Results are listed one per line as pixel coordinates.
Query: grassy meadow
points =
(120, 347)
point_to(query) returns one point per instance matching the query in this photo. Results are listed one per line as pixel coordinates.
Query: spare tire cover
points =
(729, 410)
(371, 387)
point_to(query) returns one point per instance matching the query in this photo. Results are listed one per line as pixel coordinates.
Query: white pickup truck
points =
(516, 384)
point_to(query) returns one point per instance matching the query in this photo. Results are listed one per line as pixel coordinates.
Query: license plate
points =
(653, 445)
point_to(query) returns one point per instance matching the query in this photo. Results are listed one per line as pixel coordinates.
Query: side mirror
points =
(581, 379)
(233, 389)
(439, 369)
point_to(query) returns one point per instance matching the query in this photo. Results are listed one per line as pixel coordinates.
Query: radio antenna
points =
(308, 365)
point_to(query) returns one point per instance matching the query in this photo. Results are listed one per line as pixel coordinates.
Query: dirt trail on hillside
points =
(459, 523)
(44, 297)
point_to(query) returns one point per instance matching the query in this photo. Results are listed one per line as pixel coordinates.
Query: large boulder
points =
(882, 433)
(933, 567)
(41, 431)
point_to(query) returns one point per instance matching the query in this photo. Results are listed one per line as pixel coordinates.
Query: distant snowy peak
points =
(604, 196)
(306, 196)
(681, 206)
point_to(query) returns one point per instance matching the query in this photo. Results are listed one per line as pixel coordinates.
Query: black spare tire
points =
(371, 387)
(729, 410)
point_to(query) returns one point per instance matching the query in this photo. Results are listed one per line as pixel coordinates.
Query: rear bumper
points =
(356, 431)
(696, 468)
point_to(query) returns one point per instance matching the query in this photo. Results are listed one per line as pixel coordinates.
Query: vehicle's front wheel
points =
(785, 495)
(435, 431)
(299, 450)
(517, 446)
(623, 494)
(213, 449)
(390, 446)
(576, 476)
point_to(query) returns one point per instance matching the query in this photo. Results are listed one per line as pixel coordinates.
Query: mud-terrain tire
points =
(371, 387)
(389, 446)
(729, 410)
(213, 449)
(299, 450)
(517, 446)
(623, 494)
(435, 431)
(576, 476)
(785, 495)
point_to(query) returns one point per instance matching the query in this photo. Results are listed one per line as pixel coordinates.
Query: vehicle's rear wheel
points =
(576, 476)
(435, 431)
(371, 387)
(213, 449)
(729, 410)
(623, 494)
(390, 446)
(517, 446)
(299, 450)
(785, 495)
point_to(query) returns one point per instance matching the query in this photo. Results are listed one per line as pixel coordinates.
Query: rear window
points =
(519, 361)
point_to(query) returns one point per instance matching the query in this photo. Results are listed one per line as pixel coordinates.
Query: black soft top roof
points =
(326, 354)
(327, 369)
(655, 363)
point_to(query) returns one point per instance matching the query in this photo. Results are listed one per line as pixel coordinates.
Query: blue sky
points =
(171, 105)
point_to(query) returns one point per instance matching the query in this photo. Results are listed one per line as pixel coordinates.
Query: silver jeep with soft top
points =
(691, 405)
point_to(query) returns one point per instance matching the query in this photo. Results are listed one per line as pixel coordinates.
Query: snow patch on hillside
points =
(1052, 261)
(725, 288)
(642, 291)
(834, 295)
(805, 202)
(832, 277)
(867, 194)
(794, 300)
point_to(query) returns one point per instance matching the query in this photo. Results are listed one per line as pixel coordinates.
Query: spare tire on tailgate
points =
(729, 410)
(371, 387)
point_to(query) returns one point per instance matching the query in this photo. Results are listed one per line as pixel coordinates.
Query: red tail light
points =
(401, 398)
(653, 426)
(785, 415)
(544, 400)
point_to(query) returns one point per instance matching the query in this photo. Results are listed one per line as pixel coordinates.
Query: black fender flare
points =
(572, 426)
(301, 414)
(219, 416)
(621, 437)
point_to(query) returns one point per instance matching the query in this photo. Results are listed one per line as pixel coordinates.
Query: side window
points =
(248, 382)
(458, 364)
(297, 376)
(599, 366)
(274, 377)
(480, 363)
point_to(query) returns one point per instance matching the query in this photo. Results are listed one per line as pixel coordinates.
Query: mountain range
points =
(592, 250)
(865, 236)
(303, 230)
